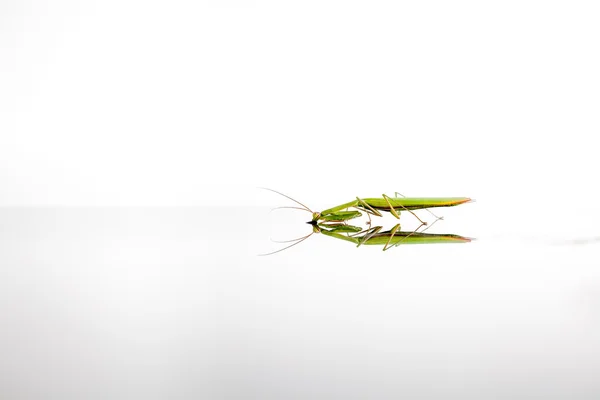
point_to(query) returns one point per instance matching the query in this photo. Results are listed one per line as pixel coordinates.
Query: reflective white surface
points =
(174, 302)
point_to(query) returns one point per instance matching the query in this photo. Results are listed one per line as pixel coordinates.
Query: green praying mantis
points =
(333, 222)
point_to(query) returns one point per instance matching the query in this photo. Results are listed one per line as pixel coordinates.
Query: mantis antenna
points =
(298, 241)
(295, 201)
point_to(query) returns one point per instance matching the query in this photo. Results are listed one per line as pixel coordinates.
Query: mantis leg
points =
(339, 208)
(393, 210)
(368, 207)
(368, 233)
(410, 234)
(392, 233)
(428, 210)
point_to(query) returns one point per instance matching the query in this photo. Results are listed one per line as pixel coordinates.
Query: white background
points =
(149, 103)
(192, 105)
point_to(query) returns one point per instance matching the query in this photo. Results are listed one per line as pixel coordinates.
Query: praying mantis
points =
(333, 221)
(373, 206)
